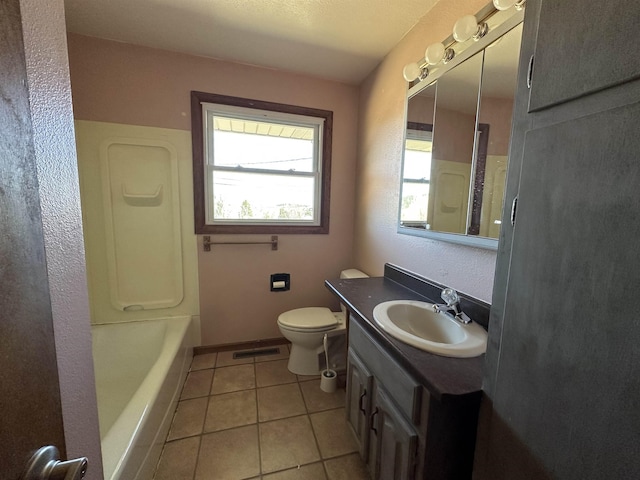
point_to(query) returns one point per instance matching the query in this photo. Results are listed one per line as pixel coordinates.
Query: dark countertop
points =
(444, 377)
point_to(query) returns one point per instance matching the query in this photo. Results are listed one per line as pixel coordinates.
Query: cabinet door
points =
(582, 47)
(358, 402)
(521, 122)
(393, 441)
(562, 386)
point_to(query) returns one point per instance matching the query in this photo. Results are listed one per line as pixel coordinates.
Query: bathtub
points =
(140, 368)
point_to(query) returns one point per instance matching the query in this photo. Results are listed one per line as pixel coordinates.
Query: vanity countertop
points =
(446, 378)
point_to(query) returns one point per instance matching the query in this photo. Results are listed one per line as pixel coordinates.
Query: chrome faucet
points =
(452, 306)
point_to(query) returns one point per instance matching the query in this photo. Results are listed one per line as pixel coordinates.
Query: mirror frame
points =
(500, 23)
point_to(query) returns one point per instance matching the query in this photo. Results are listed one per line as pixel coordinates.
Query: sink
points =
(417, 324)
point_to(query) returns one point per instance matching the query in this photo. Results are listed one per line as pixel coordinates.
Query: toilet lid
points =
(309, 317)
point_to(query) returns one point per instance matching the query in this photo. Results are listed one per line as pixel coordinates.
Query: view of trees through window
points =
(262, 171)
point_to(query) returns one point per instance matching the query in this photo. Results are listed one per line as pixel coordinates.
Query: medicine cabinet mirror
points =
(456, 143)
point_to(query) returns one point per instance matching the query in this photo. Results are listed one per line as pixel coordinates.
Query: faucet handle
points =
(450, 296)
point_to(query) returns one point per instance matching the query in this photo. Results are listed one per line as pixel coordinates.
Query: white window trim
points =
(211, 110)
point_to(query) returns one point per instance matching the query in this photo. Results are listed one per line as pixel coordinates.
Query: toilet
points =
(306, 327)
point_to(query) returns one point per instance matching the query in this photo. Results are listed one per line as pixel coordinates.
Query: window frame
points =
(200, 166)
(412, 133)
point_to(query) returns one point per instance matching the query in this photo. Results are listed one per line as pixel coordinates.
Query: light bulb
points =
(434, 53)
(503, 4)
(507, 4)
(465, 28)
(411, 71)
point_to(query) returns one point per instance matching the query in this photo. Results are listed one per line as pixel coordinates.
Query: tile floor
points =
(253, 419)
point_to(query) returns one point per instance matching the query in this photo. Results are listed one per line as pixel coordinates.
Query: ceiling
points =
(341, 40)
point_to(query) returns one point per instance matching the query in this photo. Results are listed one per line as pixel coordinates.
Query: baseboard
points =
(226, 347)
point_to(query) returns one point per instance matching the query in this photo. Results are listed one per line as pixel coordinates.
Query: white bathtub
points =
(140, 368)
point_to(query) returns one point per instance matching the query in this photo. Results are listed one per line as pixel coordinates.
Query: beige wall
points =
(420, 109)
(53, 137)
(453, 135)
(126, 84)
(497, 112)
(381, 119)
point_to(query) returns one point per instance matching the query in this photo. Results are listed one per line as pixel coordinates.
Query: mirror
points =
(416, 167)
(456, 146)
(499, 78)
(452, 159)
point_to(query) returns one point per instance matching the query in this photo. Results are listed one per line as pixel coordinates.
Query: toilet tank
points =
(351, 273)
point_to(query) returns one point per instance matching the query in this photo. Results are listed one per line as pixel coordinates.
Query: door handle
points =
(360, 407)
(372, 422)
(45, 464)
(530, 73)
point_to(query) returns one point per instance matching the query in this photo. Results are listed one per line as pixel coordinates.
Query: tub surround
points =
(141, 250)
(443, 377)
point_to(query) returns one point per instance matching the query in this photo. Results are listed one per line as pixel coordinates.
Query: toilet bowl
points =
(306, 327)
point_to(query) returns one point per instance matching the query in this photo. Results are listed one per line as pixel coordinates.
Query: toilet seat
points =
(308, 330)
(309, 319)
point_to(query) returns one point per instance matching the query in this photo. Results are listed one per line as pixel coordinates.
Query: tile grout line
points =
(195, 467)
(313, 430)
(206, 410)
(204, 420)
(255, 390)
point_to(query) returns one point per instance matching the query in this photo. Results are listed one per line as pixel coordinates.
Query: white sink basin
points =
(417, 324)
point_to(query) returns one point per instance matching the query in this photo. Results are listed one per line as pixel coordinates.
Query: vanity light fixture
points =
(436, 53)
(507, 4)
(413, 71)
(467, 27)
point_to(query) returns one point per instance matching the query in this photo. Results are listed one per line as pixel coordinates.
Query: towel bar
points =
(206, 243)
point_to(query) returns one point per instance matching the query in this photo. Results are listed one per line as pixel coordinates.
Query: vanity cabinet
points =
(383, 409)
(414, 414)
(403, 432)
(394, 441)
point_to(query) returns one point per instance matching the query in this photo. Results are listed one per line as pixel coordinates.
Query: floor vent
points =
(256, 353)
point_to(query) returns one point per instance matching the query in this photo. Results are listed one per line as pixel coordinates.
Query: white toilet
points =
(306, 327)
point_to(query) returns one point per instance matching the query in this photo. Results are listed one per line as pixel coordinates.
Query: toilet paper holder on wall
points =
(280, 282)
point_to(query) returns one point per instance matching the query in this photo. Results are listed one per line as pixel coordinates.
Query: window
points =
(260, 167)
(416, 175)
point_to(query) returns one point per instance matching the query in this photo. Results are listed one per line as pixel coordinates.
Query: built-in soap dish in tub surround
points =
(306, 327)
